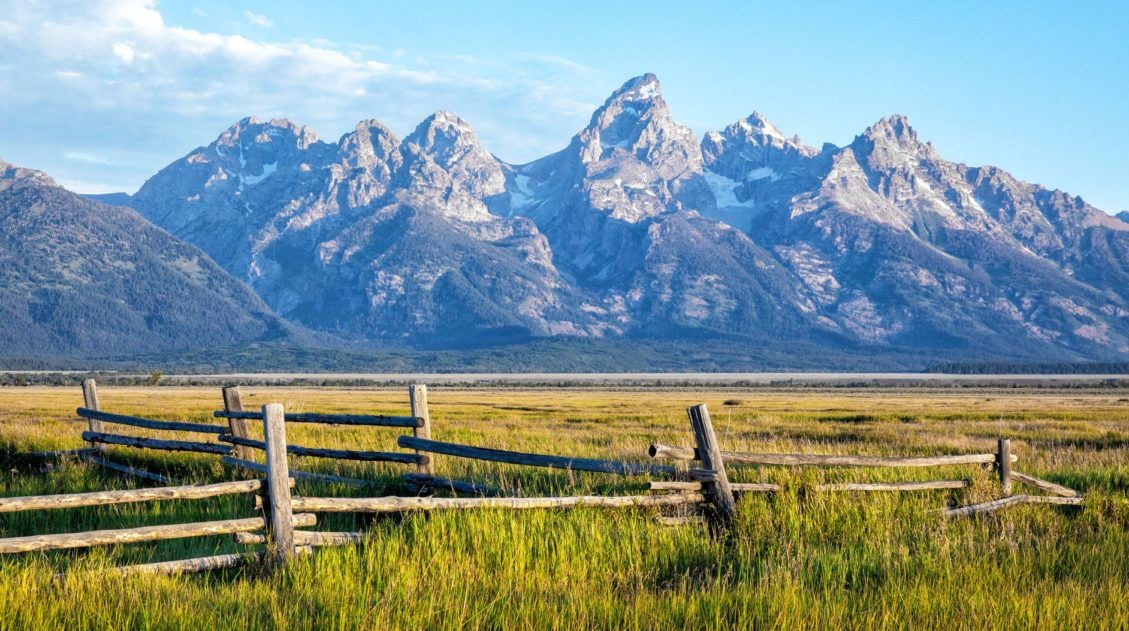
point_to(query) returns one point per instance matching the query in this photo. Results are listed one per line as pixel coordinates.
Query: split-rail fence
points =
(280, 516)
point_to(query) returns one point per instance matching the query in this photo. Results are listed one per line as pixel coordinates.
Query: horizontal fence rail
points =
(332, 419)
(155, 443)
(895, 486)
(308, 538)
(533, 460)
(134, 421)
(105, 498)
(134, 472)
(1050, 487)
(1012, 500)
(65, 541)
(668, 452)
(337, 454)
(422, 480)
(393, 504)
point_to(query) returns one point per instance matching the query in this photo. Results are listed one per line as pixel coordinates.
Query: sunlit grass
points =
(797, 558)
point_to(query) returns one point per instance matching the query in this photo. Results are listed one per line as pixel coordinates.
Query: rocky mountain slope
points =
(81, 278)
(639, 229)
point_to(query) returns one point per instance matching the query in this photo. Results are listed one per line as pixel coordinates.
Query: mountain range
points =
(636, 230)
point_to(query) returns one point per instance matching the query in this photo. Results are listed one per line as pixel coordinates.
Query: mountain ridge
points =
(638, 229)
(81, 278)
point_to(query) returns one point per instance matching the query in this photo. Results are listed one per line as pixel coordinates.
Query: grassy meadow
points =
(795, 559)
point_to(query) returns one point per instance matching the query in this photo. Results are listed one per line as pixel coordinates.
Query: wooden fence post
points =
(280, 514)
(716, 489)
(233, 402)
(417, 394)
(1003, 464)
(90, 402)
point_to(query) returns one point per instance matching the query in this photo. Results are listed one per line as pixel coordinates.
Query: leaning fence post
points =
(280, 514)
(417, 394)
(716, 487)
(1003, 464)
(90, 402)
(233, 402)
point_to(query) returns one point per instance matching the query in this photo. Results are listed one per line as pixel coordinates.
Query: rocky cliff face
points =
(638, 229)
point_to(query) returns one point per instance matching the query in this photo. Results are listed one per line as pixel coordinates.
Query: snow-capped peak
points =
(757, 123)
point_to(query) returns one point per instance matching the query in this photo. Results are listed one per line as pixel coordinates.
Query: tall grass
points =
(797, 558)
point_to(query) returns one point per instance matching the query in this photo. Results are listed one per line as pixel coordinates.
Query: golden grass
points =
(798, 558)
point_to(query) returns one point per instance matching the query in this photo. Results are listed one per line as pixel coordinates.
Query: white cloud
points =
(124, 52)
(258, 20)
(123, 78)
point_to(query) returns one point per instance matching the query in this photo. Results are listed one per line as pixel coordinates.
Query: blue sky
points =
(101, 94)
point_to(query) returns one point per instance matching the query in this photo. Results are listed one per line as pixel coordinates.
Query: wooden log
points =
(202, 564)
(190, 566)
(308, 538)
(1050, 487)
(104, 498)
(332, 419)
(737, 487)
(134, 421)
(417, 395)
(533, 460)
(1051, 499)
(65, 541)
(679, 521)
(1003, 464)
(895, 486)
(337, 454)
(702, 475)
(300, 475)
(674, 485)
(1013, 500)
(90, 401)
(753, 487)
(716, 490)
(668, 452)
(134, 472)
(281, 545)
(154, 443)
(233, 402)
(455, 486)
(402, 504)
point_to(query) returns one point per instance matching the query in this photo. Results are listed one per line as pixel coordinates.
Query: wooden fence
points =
(706, 488)
(233, 441)
(66, 541)
(1001, 461)
(243, 445)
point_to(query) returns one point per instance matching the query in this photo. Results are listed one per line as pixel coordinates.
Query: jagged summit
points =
(446, 137)
(251, 129)
(642, 88)
(892, 130)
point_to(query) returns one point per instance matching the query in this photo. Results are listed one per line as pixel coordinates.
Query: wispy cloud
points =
(258, 20)
(114, 73)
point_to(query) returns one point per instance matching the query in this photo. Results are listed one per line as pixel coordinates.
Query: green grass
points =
(797, 558)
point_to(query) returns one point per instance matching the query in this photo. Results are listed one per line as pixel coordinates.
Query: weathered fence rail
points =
(134, 421)
(666, 452)
(533, 460)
